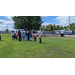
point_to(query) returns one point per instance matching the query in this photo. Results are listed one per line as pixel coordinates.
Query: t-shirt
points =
(30, 35)
(40, 36)
(12, 34)
(23, 35)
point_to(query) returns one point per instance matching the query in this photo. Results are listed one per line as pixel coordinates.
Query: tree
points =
(58, 27)
(61, 27)
(7, 30)
(54, 27)
(51, 27)
(27, 22)
(72, 26)
(64, 27)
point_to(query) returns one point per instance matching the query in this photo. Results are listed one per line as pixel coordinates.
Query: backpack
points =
(15, 34)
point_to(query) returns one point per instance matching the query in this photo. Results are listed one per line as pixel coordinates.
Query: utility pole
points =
(69, 23)
(69, 26)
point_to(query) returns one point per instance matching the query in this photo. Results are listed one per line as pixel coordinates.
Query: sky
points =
(58, 20)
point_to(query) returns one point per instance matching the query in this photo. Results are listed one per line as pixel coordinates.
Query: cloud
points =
(4, 24)
(9, 17)
(64, 20)
(45, 24)
(2, 21)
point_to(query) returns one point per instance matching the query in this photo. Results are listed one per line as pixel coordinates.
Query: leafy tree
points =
(51, 27)
(27, 22)
(61, 27)
(72, 26)
(54, 27)
(58, 27)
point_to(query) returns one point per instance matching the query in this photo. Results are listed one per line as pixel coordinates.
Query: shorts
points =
(30, 38)
(12, 36)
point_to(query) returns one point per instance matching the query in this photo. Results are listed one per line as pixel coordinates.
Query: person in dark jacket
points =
(0, 37)
(19, 34)
(26, 36)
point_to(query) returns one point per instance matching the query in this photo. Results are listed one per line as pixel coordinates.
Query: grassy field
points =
(51, 47)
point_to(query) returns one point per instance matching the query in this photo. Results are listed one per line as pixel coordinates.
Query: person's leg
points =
(0, 38)
(31, 39)
(40, 40)
(35, 39)
(12, 38)
(28, 38)
(16, 38)
(19, 38)
(23, 38)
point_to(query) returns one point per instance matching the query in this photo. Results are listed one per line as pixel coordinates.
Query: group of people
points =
(25, 36)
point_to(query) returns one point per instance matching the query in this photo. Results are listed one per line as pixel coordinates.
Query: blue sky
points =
(49, 19)
(58, 20)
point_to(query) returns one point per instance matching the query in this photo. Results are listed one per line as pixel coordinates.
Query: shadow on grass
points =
(44, 43)
(32, 42)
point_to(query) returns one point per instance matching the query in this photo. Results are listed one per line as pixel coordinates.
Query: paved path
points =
(69, 35)
(50, 35)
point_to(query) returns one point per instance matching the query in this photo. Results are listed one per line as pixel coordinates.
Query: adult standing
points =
(35, 37)
(26, 36)
(0, 37)
(19, 34)
(33, 32)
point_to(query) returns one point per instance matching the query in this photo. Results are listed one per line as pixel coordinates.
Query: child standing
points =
(30, 37)
(12, 35)
(23, 36)
(35, 37)
(40, 37)
(16, 35)
(26, 36)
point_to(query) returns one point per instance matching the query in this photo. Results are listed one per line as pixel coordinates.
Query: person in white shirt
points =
(40, 37)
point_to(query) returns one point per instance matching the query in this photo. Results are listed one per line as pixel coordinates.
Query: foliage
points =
(27, 22)
(51, 27)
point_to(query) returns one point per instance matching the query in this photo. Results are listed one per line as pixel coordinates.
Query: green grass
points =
(51, 47)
